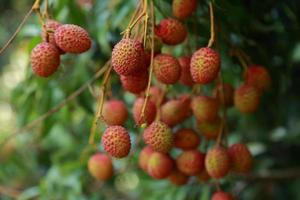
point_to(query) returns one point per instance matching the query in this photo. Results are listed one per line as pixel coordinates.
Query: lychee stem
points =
(161, 97)
(212, 26)
(46, 11)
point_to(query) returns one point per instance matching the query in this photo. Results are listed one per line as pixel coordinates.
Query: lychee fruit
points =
(166, 68)
(246, 98)
(45, 59)
(159, 136)
(149, 114)
(100, 166)
(156, 95)
(205, 108)
(183, 8)
(190, 162)
(178, 178)
(48, 31)
(160, 165)
(205, 65)
(227, 99)
(135, 83)
(240, 158)
(220, 195)
(210, 130)
(217, 162)
(186, 139)
(115, 112)
(116, 141)
(171, 31)
(144, 157)
(185, 77)
(259, 77)
(72, 38)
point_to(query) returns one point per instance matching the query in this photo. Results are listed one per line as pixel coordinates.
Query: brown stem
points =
(46, 12)
(212, 26)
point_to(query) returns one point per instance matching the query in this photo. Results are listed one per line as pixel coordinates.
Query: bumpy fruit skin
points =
(128, 57)
(166, 68)
(178, 178)
(210, 130)
(259, 77)
(186, 139)
(205, 108)
(183, 8)
(222, 196)
(205, 65)
(115, 112)
(116, 141)
(135, 83)
(45, 59)
(72, 38)
(150, 111)
(227, 99)
(190, 162)
(159, 136)
(49, 28)
(100, 166)
(240, 158)
(144, 157)
(246, 98)
(185, 77)
(217, 162)
(171, 31)
(160, 165)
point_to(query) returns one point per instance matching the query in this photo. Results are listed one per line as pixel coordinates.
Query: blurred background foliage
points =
(49, 161)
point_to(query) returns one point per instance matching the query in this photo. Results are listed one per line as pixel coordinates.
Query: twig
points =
(212, 26)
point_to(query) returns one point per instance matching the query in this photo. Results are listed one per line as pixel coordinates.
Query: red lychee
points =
(210, 130)
(115, 112)
(227, 99)
(135, 83)
(149, 114)
(240, 158)
(190, 162)
(160, 165)
(186, 139)
(178, 178)
(259, 77)
(217, 162)
(185, 77)
(144, 157)
(157, 95)
(205, 108)
(246, 98)
(48, 31)
(183, 8)
(220, 195)
(100, 166)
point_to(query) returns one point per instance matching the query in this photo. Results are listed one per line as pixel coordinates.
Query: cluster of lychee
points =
(57, 39)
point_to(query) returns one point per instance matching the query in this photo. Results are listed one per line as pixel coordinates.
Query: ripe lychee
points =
(246, 98)
(186, 139)
(100, 166)
(178, 178)
(183, 8)
(115, 112)
(45, 59)
(144, 157)
(159, 136)
(220, 195)
(190, 162)
(227, 99)
(205, 65)
(210, 130)
(205, 108)
(160, 165)
(156, 95)
(259, 77)
(166, 68)
(185, 77)
(240, 158)
(72, 38)
(171, 31)
(149, 114)
(49, 28)
(217, 162)
(116, 141)
(135, 83)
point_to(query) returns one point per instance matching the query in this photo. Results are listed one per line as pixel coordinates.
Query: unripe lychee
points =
(183, 8)
(159, 136)
(190, 162)
(135, 83)
(128, 57)
(186, 139)
(100, 166)
(178, 178)
(205, 65)
(144, 157)
(160, 165)
(115, 112)
(166, 68)
(205, 108)
(217, 162)
(171, 31)
(49, 28)
(185, 77)
(220, 195)
(210, 130)
(246, 98)
(149, 114)
(72, 38)
(45, 59)
(259, 77)
(116, 141)
(227, 99)
(240, 158)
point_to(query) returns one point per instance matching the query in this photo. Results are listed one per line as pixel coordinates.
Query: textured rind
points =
(205, 65)
(205, 108)
(210, 130)
(128, 57)
(50, 26)
(100, 166)
(186, 139)
(116, 141)
(144, 157)
(159, 136)
(240, 158)
(259, 77)
(135, 83)
(72, 38)
(45, 59)
(178, 178)
(115, 112)
(171, 31)
(183, 8)
(150, 111)
(185, 77)
(220, 195)
(166, 68)
(227, 100)
(217, 162)
(160, 165)
(246, 98)
(190, 162)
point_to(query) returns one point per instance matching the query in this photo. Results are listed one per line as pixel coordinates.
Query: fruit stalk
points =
(212, 26)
